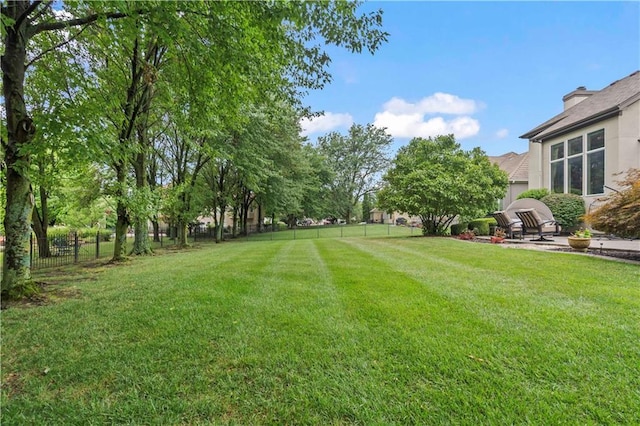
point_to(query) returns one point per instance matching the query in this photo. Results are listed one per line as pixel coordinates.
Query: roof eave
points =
(603, 115)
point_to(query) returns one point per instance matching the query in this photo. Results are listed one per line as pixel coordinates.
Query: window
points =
(595, 162)
(574, 165)
(576, 168)
(557, 167)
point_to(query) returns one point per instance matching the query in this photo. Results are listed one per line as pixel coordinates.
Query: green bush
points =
(567, 209)
(458, 228)
(58, 231)
(481, 226)
(538, 194)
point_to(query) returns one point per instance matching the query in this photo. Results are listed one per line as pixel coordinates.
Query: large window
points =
(595, 162)
(557, 167)
(574, 165)
(576, 168)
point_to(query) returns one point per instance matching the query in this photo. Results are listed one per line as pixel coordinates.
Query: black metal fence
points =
(59, 250)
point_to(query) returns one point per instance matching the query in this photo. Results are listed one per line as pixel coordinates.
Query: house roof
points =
(601, 104)
(515, 165)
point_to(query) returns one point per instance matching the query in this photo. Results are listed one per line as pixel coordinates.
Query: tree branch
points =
(51, 26)
(41, 11)
(33, 6)
(51, 49)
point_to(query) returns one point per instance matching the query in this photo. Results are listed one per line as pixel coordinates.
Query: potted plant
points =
(498, 236)
(580, 240)
(467, 235)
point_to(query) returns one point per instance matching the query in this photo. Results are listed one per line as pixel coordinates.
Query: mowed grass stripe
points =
(136, 342)
(357, 331)
(295, 342)
(522, 333)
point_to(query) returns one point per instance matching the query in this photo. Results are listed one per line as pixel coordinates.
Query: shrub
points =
(58, 231)
(481, 226)
(538, 194)
(458, 228)
(567, 209)
(620, 215)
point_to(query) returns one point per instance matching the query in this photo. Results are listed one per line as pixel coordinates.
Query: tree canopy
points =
(357, 161)
(435, 179)
(123, 59)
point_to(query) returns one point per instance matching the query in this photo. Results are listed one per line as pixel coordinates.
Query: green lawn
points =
(331, 331)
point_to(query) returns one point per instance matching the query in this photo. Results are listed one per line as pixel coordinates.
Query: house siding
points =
(628, 152)
(622, 150)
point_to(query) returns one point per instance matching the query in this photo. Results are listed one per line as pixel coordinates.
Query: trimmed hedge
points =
(458, 228)
(567, 209)
(538, 194)
(481, 226)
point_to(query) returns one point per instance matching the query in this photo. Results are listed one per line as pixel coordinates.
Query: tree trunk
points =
(260, 219)
(234, 231)
(122, 223)
(16, 276)
(141, 245)
(156, 230)
(182, 234)
(40, 226)
(40, 218)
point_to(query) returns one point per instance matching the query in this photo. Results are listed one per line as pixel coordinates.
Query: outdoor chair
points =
(532, 223)
(511, 226)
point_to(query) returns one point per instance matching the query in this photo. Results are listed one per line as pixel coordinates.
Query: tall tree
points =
(245, 49)
(438, 181)
(357, 160)
(22, 20)
(368, 202)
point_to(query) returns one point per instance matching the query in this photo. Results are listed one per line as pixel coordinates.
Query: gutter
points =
(608, 113)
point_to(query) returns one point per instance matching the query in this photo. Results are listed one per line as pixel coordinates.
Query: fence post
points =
(365, 229)
(318, 231)
(294, 233)
(97, 244)
(388, 229)
(30, 251)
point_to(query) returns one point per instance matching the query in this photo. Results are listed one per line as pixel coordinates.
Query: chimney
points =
(577, 96)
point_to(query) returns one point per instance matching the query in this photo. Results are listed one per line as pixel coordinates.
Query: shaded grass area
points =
(326, 331)
(337, 231)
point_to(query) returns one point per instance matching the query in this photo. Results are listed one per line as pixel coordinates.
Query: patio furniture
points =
(532, 223)
(529, 203)
(511, 226)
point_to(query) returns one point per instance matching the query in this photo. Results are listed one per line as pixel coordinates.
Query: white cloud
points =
(325, 123)
(407, 120)
(502, 133)
(438, 103)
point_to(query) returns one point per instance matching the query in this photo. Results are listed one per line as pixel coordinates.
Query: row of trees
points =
(162, 106)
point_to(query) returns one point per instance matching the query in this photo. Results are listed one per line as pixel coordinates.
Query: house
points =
(516, 166)
(597, 136)
(381, 216)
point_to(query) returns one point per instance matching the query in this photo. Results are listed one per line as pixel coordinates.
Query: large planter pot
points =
(580, 244)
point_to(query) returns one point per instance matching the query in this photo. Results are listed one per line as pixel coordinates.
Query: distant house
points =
(580, 150)
(517, 168)
(380, 216)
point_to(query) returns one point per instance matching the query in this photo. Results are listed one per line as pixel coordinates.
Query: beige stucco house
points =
(516, 166)
(582, 149)
(381, 216)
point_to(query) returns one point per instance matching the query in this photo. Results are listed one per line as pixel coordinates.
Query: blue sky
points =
(486, 71)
